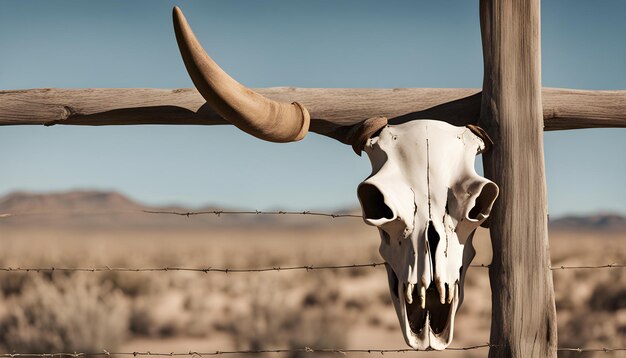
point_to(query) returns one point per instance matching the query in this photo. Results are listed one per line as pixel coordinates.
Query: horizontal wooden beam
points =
(332, 110)
(579, 109)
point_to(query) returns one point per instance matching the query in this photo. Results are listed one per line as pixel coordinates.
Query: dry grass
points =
(63, 313)
(185, 310)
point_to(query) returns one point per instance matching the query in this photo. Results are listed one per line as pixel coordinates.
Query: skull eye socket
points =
(484, 202)
(373, 203)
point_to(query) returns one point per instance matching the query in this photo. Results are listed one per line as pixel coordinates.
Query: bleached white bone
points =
(427, 200)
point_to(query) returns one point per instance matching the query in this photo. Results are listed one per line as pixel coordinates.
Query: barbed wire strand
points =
(260, 351)
(603, 349)
(214, 353)
(191, 213)
(193, 269)
(253, 212)
(252, 270)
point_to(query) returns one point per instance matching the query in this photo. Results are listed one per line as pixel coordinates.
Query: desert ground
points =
(195, 311)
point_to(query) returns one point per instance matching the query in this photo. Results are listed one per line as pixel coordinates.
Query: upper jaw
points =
(428, 328)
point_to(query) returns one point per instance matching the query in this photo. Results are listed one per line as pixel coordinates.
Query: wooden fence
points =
(512, 108)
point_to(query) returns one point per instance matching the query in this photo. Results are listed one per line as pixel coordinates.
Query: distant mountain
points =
(599, 222)
(108, 209)
(66, 202)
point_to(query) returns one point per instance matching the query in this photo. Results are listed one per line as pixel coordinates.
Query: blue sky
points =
(76, 44)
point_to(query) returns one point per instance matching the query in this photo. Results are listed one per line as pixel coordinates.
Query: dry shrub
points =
(270, 321)
(599, 320)
(384, 298)
(66, 313)
(608, 296)
(159, 315)
(597, 329)
(12, 283)
(205, 310)
(135, 284)
(321, 328)
(320, 297)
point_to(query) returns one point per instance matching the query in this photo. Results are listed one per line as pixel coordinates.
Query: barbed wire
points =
(191, 213)
(565, 267)
(580, 350)
(255, 351)
(194, 269)
(254, 270)
(252, 212)
(296, 350)
(554, 268)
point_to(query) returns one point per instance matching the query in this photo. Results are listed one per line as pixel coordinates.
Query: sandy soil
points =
(182, 311)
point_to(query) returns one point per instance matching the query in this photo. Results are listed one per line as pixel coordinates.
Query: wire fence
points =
(306, 268)
(254, 270)
(253, 212)
(193, 213)
(238, 270)
(296, 350)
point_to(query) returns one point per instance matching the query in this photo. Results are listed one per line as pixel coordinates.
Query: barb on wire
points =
(602, 349)
(564, 267)
(586, 267)
(252, 212)
(296, 350)
(251, 270)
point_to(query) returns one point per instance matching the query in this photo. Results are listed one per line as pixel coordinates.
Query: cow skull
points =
(426, 200)
(423, 195)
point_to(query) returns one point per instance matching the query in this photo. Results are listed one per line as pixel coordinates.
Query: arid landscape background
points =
(183, 311)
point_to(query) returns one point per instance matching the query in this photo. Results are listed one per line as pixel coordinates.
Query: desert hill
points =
(599, 222)
(81, 208)
(108, 208)
(67, 202)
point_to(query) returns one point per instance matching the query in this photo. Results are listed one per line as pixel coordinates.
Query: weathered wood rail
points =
(333, 110)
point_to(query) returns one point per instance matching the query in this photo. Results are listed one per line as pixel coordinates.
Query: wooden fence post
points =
(523, 322)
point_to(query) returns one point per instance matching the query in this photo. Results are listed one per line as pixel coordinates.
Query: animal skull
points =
(426, 200)
(423, 194)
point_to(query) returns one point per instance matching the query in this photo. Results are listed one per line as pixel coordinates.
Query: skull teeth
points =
(447, 293)
(441, 287)
(409, 293)
(452, 294)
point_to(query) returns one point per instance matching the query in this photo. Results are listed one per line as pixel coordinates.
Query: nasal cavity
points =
(373, 203)
(433, 239)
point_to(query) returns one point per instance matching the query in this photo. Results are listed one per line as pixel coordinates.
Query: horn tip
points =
(177, 13)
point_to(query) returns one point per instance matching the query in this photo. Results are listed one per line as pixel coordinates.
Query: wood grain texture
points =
(577, 109)
(523, 320)
(333, 110)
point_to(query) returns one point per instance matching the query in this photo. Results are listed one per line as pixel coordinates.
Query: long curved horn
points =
(249, 111)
